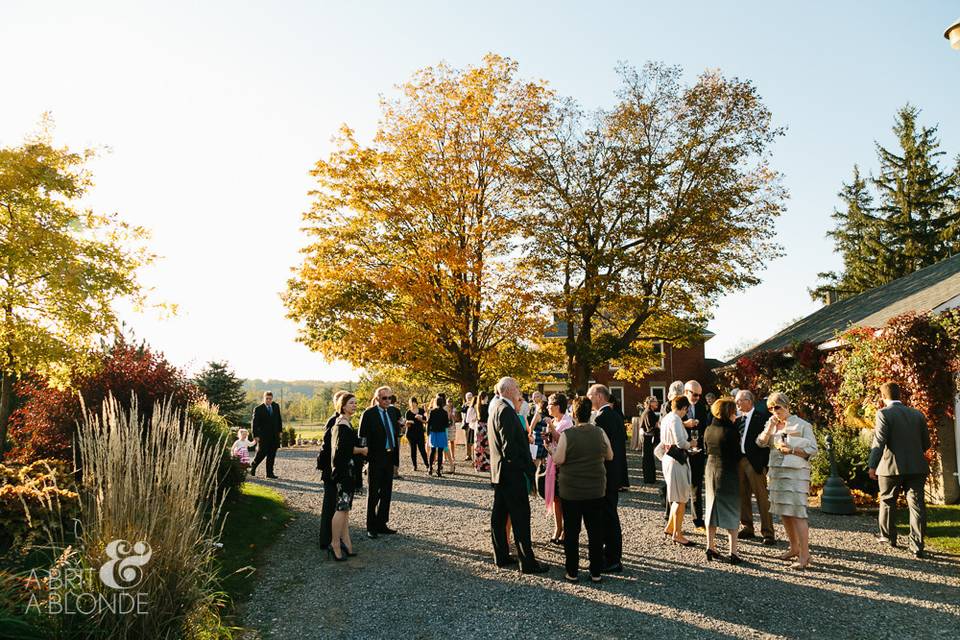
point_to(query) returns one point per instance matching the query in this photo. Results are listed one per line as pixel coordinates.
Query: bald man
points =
(512, 476)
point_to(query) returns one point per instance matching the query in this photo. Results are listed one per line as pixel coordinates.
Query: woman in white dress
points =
(792, 443)
(672, 452)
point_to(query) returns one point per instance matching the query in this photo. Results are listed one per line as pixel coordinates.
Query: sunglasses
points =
(695, 395)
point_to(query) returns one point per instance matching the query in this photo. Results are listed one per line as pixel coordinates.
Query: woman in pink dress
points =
(558, 422)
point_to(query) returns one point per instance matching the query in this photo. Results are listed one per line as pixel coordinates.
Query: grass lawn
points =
(257, 514)
(943, 527)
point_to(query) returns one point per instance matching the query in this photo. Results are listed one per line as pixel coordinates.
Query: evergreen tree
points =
(224, 389)
(915, 221)
(914, 196)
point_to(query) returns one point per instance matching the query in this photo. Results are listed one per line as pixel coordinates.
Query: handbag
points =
(678, 454)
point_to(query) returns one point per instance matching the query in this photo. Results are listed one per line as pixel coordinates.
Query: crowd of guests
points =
(719, 456)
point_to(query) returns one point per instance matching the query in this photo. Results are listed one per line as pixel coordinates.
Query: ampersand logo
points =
(124, 569)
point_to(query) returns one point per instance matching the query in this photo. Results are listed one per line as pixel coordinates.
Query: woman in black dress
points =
(343, 440)
(416, 419)
(650, 430)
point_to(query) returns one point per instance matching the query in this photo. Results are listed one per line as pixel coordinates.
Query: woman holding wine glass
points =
(345, 445)
(672, 452)
(792, 443)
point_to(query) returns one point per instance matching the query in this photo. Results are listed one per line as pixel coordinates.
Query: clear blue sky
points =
(215, 111)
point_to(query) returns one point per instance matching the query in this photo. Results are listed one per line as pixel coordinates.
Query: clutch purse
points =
(678, 454)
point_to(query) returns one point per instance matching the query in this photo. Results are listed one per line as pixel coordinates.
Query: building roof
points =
(932, 288)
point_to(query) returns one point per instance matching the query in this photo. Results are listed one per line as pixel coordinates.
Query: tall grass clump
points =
(152, 480)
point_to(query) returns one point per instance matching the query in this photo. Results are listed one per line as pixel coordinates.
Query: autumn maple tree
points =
(411, 269)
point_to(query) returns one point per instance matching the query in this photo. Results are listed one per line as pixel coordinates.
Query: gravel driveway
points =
(436, 579)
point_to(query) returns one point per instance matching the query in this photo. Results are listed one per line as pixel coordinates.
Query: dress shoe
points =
(885, 540)
(616, 567)
(712, 555)
(350, 554)
(734, 559)
(253, 472)
(919, 554)
(536, 568)
(769, 541)
(273, 477)
(507, 563)
(699, 524)
(386, 531)
(372, 534)
(570, 578)
(746, 535)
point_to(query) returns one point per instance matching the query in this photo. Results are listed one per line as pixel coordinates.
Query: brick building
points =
(677, 363)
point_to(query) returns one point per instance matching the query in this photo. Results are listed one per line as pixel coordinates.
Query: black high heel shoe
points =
(350, 554)
(331, 554)
(735, 559)
(712, 555)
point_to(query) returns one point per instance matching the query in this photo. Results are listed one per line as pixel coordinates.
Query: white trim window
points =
(659, 391)
(617, 392)
(658, 348)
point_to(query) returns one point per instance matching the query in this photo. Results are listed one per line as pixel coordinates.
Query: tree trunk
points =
(6, 405)
(579, 375)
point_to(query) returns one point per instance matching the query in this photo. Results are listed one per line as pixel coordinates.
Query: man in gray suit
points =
(900, 438)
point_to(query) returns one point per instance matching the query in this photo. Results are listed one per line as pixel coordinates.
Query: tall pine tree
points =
(224, 389)
(914, 223)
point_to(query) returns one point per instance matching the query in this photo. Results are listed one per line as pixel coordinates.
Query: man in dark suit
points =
(897, 462)
(752, 469)
(394, 414)
(266, 426)
(611, 421)
(377, 427)
(512, 476)
(698, 419)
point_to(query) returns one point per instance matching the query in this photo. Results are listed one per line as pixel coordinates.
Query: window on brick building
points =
(658, 349)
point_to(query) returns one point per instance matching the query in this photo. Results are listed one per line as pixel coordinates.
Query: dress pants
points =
(698, 464)
(754, 484)
(380, 490)
(268, 451)
(510, 498)
(415, 438)
(915, 486)
(612, 533)
(649, 465)
(591, 513)
(327, 512)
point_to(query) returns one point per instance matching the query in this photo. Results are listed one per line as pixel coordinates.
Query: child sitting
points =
(241, 448)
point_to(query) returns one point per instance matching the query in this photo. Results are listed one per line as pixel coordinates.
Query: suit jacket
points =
(323, 458)
(701, 413)
(509, 446)
(265, 426)
(900, 438)
(396, 417)
(371, 428)
(611, 421)
(758, 456)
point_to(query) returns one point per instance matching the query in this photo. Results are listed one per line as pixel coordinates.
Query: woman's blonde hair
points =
(777, 398)
(676, 390)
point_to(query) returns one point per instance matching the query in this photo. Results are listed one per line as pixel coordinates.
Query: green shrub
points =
(216, 429)
(37, 503)
(852, 453)
(288, 437)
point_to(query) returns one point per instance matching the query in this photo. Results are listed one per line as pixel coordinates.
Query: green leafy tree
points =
(642, 215)
(62, 267)
(224, 389)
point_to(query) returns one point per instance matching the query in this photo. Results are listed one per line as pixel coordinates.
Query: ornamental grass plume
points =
(151, 480)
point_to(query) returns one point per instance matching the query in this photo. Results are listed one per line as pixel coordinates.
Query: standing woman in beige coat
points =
(792, 443)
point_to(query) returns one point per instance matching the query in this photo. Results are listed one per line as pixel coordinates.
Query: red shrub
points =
(45, 423)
